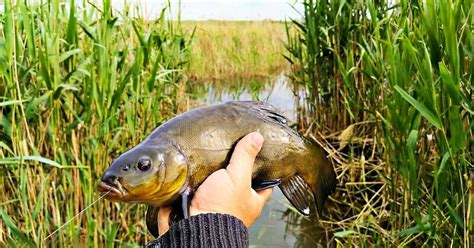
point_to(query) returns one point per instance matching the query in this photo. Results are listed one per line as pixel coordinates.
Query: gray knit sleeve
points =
(205, 230)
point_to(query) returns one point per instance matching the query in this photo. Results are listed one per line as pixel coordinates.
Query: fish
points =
(170, 164)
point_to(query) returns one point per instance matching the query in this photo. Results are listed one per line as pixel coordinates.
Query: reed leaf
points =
(431, 117)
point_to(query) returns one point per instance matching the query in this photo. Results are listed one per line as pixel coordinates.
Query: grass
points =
(78, 84)
(385, 86)
(228, 49)
(389, 86)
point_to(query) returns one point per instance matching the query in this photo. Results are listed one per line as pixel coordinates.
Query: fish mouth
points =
(112, 190)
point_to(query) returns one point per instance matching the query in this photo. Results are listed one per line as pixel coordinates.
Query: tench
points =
(168, 166)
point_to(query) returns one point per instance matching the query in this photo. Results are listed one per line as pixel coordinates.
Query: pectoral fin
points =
(152, 220)
(298, 192)
(186, 202)
(180, 209)
(265, 184)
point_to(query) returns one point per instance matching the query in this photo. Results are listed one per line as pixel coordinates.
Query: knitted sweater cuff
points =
(205, 230)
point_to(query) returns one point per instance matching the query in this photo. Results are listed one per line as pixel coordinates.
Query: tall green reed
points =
(402, 72)
(79, 83)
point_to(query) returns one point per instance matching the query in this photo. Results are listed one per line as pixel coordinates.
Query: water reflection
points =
(275, 90)
(278, 226)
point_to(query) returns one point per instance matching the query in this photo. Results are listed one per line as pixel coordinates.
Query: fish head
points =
(149, 174)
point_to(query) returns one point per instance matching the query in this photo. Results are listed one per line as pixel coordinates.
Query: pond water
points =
(278, 225)
(274, 90)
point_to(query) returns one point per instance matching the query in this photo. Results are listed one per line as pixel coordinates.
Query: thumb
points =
(241, 162)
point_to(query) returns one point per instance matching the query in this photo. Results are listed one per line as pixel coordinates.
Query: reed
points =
(385, 86)
(229, 49)
(72, 76)
(389, 86)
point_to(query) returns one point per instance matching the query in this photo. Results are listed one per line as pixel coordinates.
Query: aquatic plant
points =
(389, 85)
(79, 82)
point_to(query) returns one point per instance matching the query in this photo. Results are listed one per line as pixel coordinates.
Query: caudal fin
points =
(326, 185)
(311, 189)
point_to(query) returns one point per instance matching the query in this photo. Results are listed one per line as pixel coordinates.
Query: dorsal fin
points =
(263, 109)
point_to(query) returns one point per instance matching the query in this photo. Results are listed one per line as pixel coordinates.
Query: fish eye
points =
(144, 164)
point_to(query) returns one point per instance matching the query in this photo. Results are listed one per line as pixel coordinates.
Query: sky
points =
(220, 9)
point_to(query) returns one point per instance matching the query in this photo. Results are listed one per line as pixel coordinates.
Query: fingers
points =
(163, 217)
(263, 196)
(241, 163)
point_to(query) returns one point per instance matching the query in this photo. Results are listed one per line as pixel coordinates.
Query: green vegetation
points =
(244, 49)
(77, 86)
(396, 79)
(385, 86)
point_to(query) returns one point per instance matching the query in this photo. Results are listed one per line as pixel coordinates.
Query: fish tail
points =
(310, 188)
(323, 182)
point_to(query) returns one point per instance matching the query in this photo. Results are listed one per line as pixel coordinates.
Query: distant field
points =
(236, 48)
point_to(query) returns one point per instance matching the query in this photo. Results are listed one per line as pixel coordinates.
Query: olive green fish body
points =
(188, 148)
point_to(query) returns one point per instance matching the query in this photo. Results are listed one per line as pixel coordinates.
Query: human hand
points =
(228, 191)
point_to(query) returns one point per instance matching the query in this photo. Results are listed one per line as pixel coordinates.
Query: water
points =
(276, 91)
(278, 226)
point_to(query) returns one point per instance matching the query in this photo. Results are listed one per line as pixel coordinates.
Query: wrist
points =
(194, 212)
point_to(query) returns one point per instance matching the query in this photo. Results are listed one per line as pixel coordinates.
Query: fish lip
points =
(110, 189)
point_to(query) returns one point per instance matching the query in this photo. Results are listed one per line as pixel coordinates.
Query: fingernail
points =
(256, 138)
